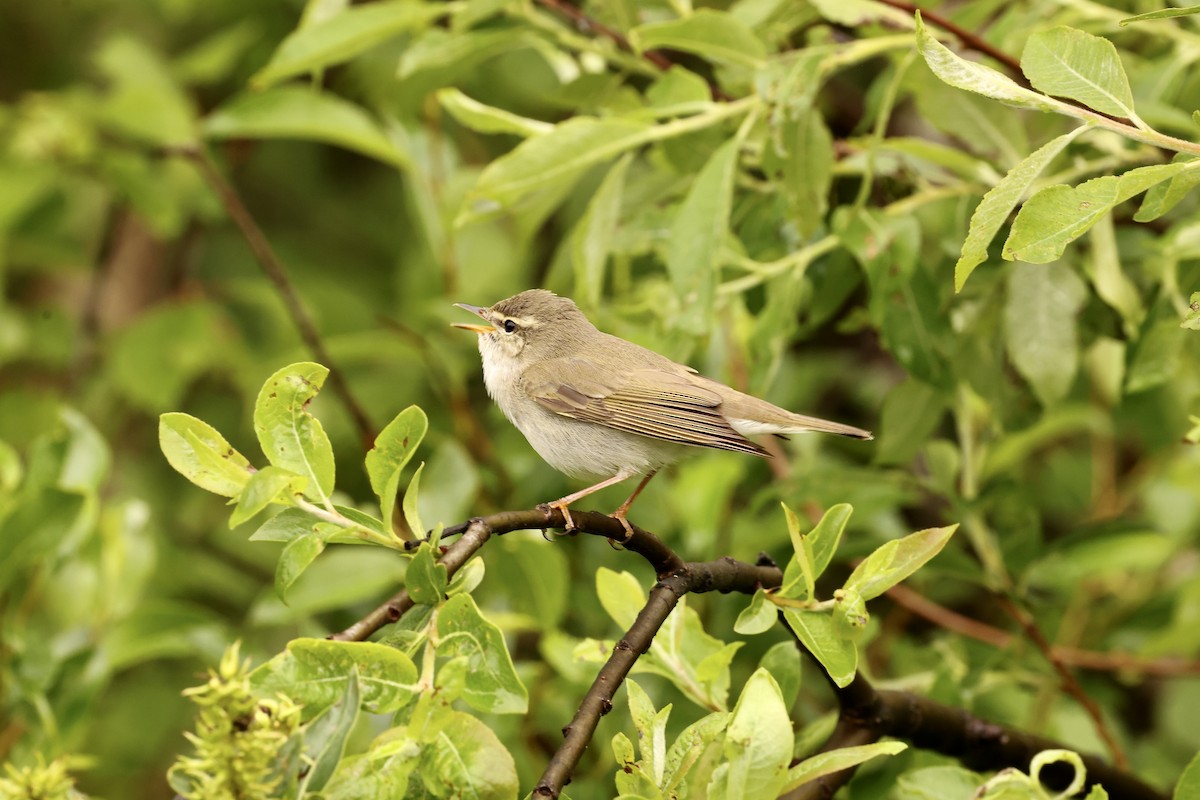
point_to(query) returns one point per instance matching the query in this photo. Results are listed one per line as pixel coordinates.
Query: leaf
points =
(291, 437)
(963, 74)
(314, 673)
(1156, 359)
(651, 726)
(1112, 284)
(286, 525)
(993, 210)
(715, 35)
(468, 759)
(145, 101)
(698, 234)
(826, 537)
(566, 151)
(1057, 215)
(393, 448)
(1164, 13)
(1067, 62)
(270, 484)
(1191, 320)
(1188, 786)
(783, 661)
(896, 560)
(758, 741)
(342, 37)
(836, 653)
(678, 88)
(492, 683)
(325, 737)
(1163, 197)
(911, 412)
(805, 573)
(297, 112)
(690, 745)
(1039, 327)
(756, 618)
(200, 454)
(296, 557)
(426, 579)
(412, 516)
(593, 236)
(837, 760)
(488, 119)
(621, 596)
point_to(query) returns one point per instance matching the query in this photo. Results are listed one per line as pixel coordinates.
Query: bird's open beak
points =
(474, 328)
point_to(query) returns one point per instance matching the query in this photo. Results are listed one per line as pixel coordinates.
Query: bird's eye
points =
(509, 326)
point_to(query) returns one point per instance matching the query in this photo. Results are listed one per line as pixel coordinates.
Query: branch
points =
(236, 208)
(867, 715)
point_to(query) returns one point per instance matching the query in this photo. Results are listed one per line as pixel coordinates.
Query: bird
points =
(597, 407)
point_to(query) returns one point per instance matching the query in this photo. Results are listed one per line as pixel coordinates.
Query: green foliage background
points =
(799, 236)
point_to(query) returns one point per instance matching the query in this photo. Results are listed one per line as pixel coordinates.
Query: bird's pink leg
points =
(562, 503)
(623, 509)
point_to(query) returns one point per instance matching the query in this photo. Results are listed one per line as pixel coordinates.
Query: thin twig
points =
(1069, 681)
(236, 208)
(1072, 656)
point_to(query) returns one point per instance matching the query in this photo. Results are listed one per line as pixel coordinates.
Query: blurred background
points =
(1041, 407)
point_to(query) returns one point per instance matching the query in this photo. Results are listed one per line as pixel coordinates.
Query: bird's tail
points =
(797, 423)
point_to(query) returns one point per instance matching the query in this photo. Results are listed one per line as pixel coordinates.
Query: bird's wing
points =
(648, 402)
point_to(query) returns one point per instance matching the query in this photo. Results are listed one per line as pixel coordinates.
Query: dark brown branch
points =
(723, 575)
(867, 715)
(236, 208)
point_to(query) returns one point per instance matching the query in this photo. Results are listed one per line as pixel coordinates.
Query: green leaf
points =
(689, 748)
(1164, 13)
(1156, 359)
(296, 557)
(492, 683)
(1040, 335)
(270, 484)
(426, 579)
(816, 631)
(489, 119)
(287, 525)
(678, 88)
(896, 560)
(621, 596)
(826, 537)
(715, 35)
(412, 516)
(698, 234)
(837, 760)
(341, 38)
(314, 673)
(1188, 786)
(1163, 197)
(593, 236)
(758, 742)
(756, 618)
(325, 737)
(993, 210)
(562, 153)
(651, 726)
(803, 558)
(200, 454)
(911, 412)
(782, 660)
(1112, 284)
(145, 101)
(291, 437)
(297, 112)
(1057, 215)
(467, 758)
(974, 77)
(393, 448)
(1067, 62)
(1191, 320)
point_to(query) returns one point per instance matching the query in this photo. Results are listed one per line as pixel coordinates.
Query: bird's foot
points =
(559, 505)
(619, 515)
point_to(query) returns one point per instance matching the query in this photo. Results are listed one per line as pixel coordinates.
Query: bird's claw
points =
(619, 516)
(568, 523)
